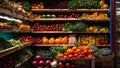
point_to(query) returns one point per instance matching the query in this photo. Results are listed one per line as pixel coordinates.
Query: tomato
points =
(78, 50)
(85, 52)
(80, 56)
(70, 56)
(85, 48)
(74, 48)
(75, 55)
(61, 65)
(67, 65)
(65, 56)
(90, 56)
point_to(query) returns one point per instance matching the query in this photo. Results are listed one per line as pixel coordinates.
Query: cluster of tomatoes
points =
(77, 52)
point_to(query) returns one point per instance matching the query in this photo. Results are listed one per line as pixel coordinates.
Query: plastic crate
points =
(80, 62)
(105, 62)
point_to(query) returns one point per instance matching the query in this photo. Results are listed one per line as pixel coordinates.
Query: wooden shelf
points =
(103, 45)
(70, 19)
(69, 32)
(53, 45)
(10, 13)
(13, 49)
(82, 32)
(70, 10)
(26, 58)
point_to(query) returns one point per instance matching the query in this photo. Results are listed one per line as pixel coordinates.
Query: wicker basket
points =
(105, 62)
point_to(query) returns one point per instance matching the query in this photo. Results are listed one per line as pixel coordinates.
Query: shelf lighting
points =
(10, 19)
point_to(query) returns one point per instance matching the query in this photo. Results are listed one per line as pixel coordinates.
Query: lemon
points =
(102, 3)
(63, 29)
(105, 6)
(65, 47)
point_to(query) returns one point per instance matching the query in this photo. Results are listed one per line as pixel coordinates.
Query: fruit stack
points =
(54, 27)
(95, 40)
(39, 5)
(45, 40)
(39, 61)
(73, 15)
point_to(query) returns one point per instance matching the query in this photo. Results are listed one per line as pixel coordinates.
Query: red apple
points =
(41, 63)
(34, 63)
(38, 57)
(48, 62)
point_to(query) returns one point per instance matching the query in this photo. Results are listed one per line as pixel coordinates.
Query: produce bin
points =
(80, 62)
(105, 62)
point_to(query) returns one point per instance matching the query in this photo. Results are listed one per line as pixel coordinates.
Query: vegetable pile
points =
(88, 4)
(77, 26)
(100, 52)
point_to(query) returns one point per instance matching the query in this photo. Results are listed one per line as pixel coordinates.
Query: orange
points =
(60, 55)
(69, 50)
(45, 41)
(63, 40)
(44, 37)
(66, 37)
(78, 50)
(57, 41)
(105, 6)
(90, 56)
(65, 56)
(41, 7)
(60, 37)
(51, 40)
(74, 48)
(91, 51)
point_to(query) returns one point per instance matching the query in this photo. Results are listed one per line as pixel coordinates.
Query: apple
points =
(34, 63)
(41, 63)
(38, 57)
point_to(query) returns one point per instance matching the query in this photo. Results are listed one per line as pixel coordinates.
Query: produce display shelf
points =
(70, 19)
(13, 49)
(13, 14)
(53, 45)
(83, 32)
(26, 58)
(69, 32)
(70, 10)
